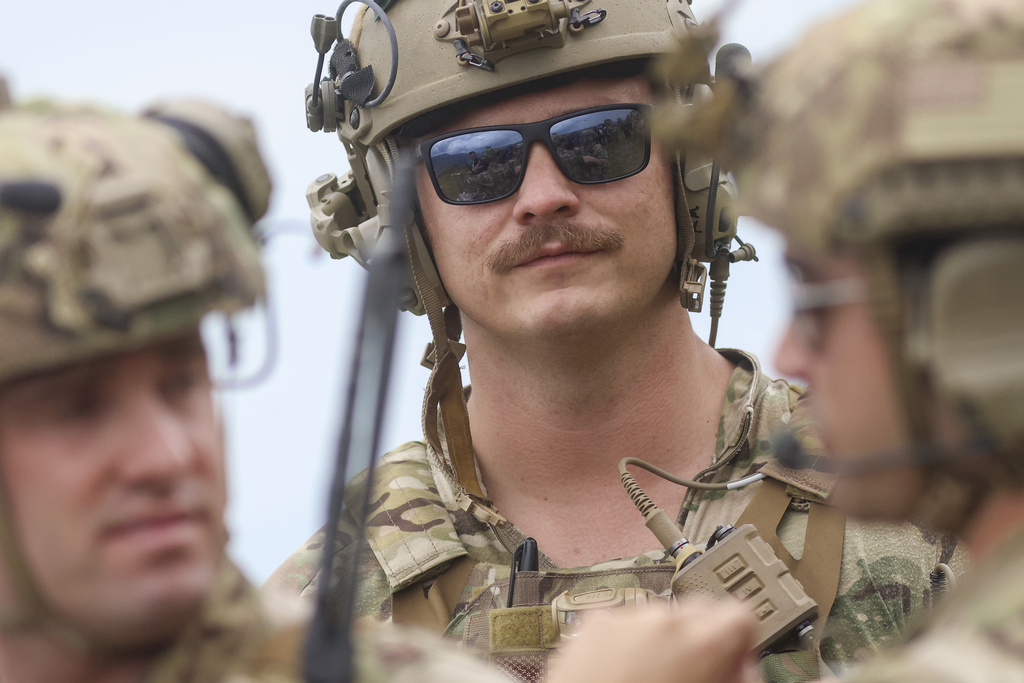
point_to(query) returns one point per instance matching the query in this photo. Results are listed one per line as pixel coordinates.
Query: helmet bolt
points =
(353, 117)
(497, 6)
(442, 28)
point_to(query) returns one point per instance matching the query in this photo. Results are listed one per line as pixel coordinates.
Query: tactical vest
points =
(429, 577)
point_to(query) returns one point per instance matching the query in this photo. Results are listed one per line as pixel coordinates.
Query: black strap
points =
(213, 156)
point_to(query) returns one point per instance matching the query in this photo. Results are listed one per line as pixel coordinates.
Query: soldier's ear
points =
(225, 144)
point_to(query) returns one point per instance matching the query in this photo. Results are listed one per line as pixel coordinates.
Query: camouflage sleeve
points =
(298, 577)
(382, 655)
(884, 587)
(952, 657)
(404, 655)
(405, 503)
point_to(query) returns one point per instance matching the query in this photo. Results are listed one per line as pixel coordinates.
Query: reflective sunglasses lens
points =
(478, 167)
(602, 145)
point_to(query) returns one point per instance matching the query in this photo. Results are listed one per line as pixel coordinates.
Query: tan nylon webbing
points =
(818, 568)
(434, 609)
(444, 387)
(456, 426)
(685, 236)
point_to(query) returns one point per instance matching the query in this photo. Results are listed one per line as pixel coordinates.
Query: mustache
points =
(574, 235)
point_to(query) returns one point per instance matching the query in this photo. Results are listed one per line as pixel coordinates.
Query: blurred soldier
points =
(899, 133)
(888, 146)
(567, 283)
(117, 235)
(114, 242)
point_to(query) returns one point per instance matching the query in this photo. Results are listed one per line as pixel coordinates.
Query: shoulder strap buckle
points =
(483, 510)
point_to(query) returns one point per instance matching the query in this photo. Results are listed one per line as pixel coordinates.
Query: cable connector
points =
(746, 252)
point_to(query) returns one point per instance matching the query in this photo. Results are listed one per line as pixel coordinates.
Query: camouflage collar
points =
(746, 385)
(229, 630)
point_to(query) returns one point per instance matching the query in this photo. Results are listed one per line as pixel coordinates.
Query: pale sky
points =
(256, 58)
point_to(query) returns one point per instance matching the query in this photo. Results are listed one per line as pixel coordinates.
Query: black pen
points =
(524, 559)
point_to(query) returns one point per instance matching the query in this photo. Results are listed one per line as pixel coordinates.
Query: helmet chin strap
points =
(445, 395)
(951, 494)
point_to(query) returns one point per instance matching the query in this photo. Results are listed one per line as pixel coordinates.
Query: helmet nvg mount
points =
(431, 57)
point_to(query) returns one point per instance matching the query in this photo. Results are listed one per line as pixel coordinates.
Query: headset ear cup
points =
(700, 184)
(976, 334)
(723, 229)
(423, 275)
(698, 201)
(726, 210)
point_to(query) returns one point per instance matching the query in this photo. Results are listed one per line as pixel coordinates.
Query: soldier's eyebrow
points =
(50, 385)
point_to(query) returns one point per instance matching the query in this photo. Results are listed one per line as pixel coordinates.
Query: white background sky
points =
(256, 57)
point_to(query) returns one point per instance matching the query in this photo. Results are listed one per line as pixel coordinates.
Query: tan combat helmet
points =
(898, 132)
(424, 60)
(115, 232)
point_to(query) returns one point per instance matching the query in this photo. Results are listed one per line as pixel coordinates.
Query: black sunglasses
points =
(596, 145)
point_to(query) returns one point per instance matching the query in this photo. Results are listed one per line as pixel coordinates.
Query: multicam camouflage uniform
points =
(977, 635)
(232, 640)
(416, 530)
(241, 638)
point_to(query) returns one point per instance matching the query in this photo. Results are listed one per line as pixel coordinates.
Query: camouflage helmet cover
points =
(432, 76)
(888, 87)
(898, 130)
(139, 242)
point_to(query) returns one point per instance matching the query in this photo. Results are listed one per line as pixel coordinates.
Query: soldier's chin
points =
(149, 615)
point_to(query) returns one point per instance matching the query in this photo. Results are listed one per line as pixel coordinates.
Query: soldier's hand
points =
(694, 642)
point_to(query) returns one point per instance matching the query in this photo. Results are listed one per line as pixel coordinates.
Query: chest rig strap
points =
(818, 567)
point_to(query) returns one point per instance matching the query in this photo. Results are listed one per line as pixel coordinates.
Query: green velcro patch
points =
(520, 629)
